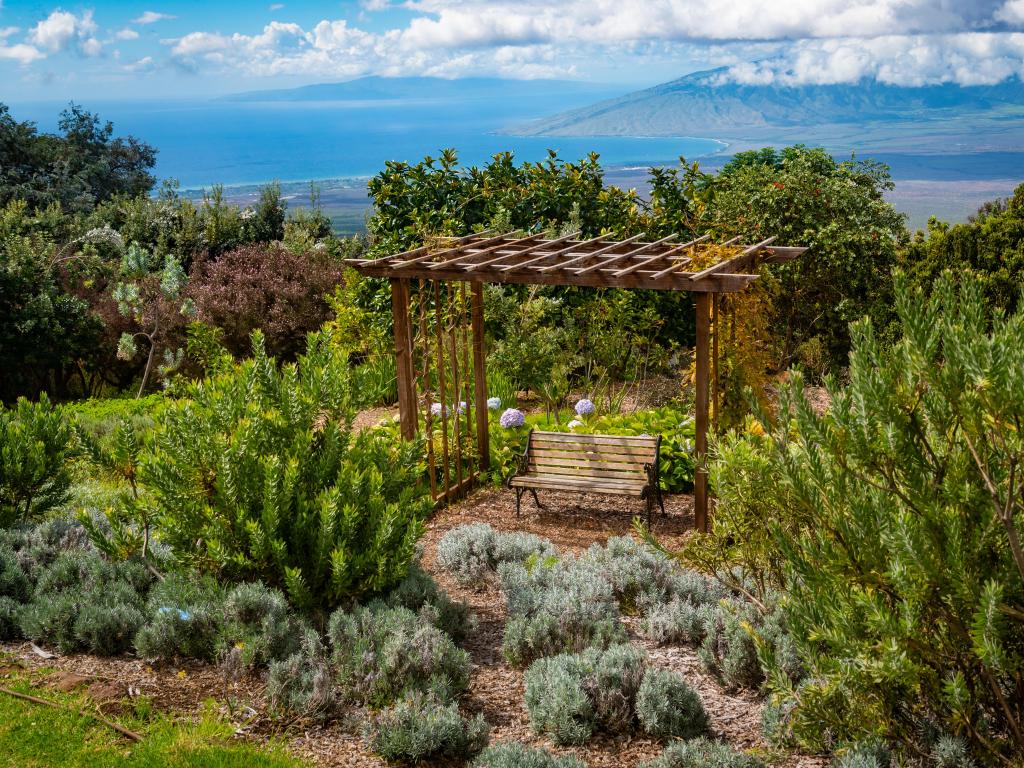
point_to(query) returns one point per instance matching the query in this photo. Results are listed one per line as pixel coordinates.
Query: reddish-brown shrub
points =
(266, 287)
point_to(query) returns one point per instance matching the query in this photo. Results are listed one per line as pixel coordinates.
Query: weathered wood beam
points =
(627, 255)
(541, 257)
(700, 475)
(482, 251)
(732, 264)
(480, 377)
(591, 255)
(425, 253)
(644, 262)
(403, 355)
(496, 260)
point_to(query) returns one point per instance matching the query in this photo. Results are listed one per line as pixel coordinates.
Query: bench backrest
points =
(609, 457)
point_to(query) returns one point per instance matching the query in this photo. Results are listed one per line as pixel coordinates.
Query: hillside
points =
(701, 104)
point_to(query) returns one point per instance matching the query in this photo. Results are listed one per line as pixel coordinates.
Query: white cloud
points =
(145, 64)
(21, 53)
(62, 30)
(152, 17)
(897, 41)
(275, 6)
(126, 34)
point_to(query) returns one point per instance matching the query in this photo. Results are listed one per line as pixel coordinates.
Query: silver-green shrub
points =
(512, 754)
(379, 654)
(9, 627)
(951, 752)
(420, 593)
(702, 753)
(676, 621)
(257, 620)
(668, 707)
(81, 602)
(571, 695)
(631, 568)
(185, 618)
(301, 686)
(420, 728)
(870, 753)
(557, 607)
(14, 584)
(729, 651)
(472, 553)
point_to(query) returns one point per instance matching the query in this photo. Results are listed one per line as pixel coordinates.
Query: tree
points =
(80, 167)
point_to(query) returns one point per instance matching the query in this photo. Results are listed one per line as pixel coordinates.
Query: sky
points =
(113, 49)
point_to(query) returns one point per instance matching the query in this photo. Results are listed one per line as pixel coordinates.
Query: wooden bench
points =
(610, 464)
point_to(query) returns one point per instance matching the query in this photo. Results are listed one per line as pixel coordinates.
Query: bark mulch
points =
(573, 522)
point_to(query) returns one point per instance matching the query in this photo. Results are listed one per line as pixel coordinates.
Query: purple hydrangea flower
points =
(575, 423)
(438, 410)
(512, 418)
(493, 403)
(584, 407)
(462, 407)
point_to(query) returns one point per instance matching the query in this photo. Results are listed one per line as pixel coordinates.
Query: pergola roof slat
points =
(598, 262)
(741, 257)
(628, 254)
(533, 248)
(483, 252)
(598, 252)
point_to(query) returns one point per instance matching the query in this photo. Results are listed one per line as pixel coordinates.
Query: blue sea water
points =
(202, 143)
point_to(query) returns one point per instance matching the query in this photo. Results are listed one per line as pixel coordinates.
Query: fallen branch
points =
(94, 715)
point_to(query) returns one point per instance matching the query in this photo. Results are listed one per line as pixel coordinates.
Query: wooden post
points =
(403, 355)
(480, 378)
(700, 479)
(716, 394)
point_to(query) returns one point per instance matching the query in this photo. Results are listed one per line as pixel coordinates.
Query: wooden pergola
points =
(599, 262)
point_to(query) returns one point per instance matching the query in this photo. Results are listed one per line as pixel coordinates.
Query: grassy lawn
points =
(33, 736)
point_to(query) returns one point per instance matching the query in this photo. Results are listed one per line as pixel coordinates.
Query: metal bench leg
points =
(650, 506)
(535, 499)
(519, 498)
(661, 503)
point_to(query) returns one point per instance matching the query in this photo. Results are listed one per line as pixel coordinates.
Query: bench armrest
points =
(521, 463)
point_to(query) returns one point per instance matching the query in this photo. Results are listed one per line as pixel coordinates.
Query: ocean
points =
(202, 143)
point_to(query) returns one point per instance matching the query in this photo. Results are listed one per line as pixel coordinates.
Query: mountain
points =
(707, 104)
(434, 89)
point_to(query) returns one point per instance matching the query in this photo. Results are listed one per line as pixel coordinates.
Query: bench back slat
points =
(610, 458)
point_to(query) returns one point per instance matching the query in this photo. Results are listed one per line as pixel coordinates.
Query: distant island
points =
(867, 114)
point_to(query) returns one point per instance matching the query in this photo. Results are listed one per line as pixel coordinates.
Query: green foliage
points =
(379, 654)
(79, 167)
(36, 445)
(14, 584)
(9, 627)
(729, 650)
(990, 247)
(420, 728)
(837, 209)
(905, 578)
(668, 707)
(556, 607)
(702, 753)
(258, 464)
(259, 624)
(512, 754)
(472, 553)
(301, 685)
(185, 618)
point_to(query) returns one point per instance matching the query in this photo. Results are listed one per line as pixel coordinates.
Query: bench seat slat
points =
(598, 474)
(587, 463)
(580, 485)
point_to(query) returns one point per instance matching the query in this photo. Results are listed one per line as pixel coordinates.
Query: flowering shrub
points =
(512, 418)
(301, 684)
(585, 407)
(493, 403)
(472, 553)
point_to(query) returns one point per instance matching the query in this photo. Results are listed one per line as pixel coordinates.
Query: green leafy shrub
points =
(379, 654)
(512, 754)
(98, 419)
(258, 622)
(37, 546)
(301, 685)
(472, 553)
(185, 619)
(702, 753)
(420, 728)
(905, 597)
(569, 696)
(420, 593)
(557, 607)
(36, 446)
(668, 707)
(258, 463)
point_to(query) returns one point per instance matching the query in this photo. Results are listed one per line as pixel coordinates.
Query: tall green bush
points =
(257, 476)
(906, 581)
(36, 444)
